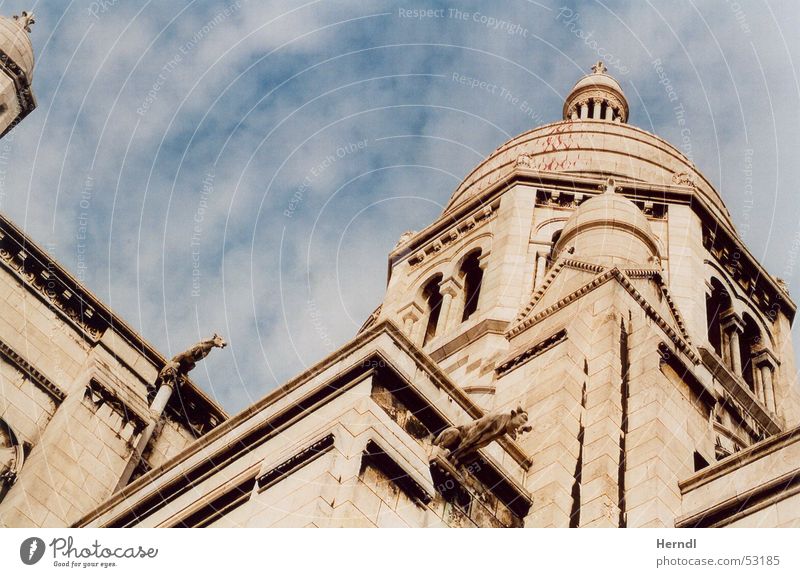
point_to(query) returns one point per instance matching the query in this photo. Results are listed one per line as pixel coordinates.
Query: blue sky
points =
(245, 167)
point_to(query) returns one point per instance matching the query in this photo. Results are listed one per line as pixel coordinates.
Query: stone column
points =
(609, 113)
(584, 104)
(766, 362)
(541, 264)
(596, 108)
(733, 326)
(574, 114)
(449, 288)
(410, 314)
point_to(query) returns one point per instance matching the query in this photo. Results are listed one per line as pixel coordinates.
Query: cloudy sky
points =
(245, 166)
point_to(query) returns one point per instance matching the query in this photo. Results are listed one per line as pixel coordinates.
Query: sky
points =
(245, 167)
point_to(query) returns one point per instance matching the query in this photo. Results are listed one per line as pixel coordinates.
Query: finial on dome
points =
(25, 20)
(596, 96)
(610, 187)
(599, 68)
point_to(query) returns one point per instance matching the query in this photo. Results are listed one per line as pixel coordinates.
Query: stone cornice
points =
(31, 372)
(680, 340)
(739, 395)
(519, 358)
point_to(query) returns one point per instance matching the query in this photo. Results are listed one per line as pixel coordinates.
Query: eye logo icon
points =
(31, 551)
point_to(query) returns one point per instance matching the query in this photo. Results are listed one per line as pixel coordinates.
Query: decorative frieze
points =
(31, 372)
(50, 286)
(763, 290)
(453, 234)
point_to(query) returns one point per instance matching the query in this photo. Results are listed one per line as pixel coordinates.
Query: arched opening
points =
(717, 303)
(472, 273)
(432, 295)
(748, 344)
(553, 240)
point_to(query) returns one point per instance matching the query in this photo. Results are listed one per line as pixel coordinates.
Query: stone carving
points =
(184, 362)
(599, 68)
(463, 441)
(405, 237)
(25, 20)
(11, 456)
(683, 179)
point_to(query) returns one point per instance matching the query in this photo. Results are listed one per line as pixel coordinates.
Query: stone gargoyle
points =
(463, 441)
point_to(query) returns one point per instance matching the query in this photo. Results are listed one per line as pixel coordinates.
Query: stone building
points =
(585, 273)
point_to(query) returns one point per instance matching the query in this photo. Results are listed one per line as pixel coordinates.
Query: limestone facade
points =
(587, 272)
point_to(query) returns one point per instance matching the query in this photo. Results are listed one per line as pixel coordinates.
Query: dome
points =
(591, 149)
(15, 41)
(596, 96)
(609, 229)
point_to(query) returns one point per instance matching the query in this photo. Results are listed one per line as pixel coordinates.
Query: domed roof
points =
(16, 43)
(588, 148)
(600, 92)
(610, 229)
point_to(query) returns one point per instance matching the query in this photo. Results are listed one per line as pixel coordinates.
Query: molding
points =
(680, 339)
(484, 327)
(739, 394)
(295, 462)
(99, 394)
(740, 459)
(744, 504)
(379, 457)
(530, 353)
(35, 376)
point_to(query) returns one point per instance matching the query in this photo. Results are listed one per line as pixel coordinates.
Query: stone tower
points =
(16, 70)
(586, 272)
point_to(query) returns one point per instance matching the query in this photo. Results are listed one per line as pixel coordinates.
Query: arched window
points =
(748, 344)
(433, 300)
(472, 273)
(553, 241)
(717, 303)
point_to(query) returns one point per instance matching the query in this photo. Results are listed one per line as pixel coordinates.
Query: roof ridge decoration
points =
(680, 337)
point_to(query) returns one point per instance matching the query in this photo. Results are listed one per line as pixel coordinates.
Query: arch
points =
(749, 343)
(544, 231)
(432, 296)
(718, 302)
(472, 274)
(739, 301)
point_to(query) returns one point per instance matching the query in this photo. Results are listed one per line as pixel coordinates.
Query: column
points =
(609, 113)
(769, 394)
(541, 264)
(410, 314)
(584, 108)
(449, 288)
(758, 381)
(733, 326)
(596, 108)
(767, 363)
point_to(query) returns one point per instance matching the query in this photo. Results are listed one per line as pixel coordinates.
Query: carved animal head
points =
(518, 419)
(218, 341)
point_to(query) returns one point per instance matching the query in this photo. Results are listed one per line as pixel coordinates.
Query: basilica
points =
(581, 339)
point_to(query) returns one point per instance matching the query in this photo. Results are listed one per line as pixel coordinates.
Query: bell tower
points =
(584, 272)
